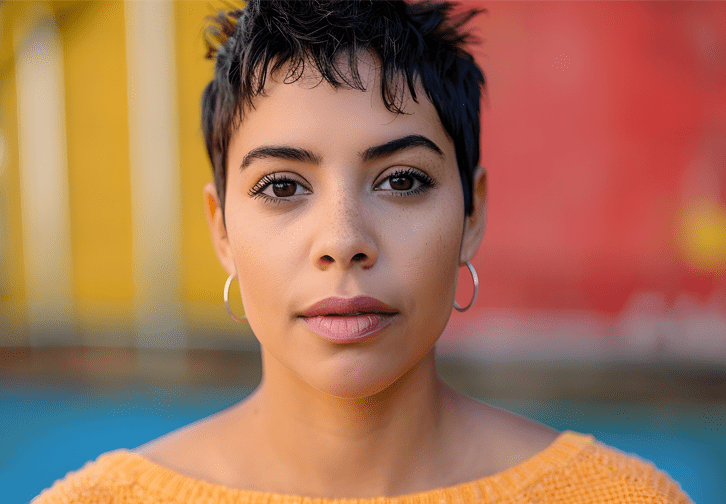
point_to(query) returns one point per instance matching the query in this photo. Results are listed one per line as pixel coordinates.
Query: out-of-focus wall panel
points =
(605, 143)
(98, 137)
(154, 173)
(43, 167)
(13, 322)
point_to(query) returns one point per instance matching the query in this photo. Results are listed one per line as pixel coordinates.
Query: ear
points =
(217, 230)
(475, 224)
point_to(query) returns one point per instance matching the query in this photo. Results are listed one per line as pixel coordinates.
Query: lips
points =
(349, 328)
(348, 306)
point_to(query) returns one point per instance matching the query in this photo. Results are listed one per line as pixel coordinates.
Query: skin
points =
(357, 420)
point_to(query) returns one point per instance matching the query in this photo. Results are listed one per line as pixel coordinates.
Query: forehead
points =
(309, 110)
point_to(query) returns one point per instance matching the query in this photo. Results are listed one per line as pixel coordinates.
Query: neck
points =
(351, 447)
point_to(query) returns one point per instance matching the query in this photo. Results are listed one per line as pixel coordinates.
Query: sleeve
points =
(632, 479)
(605, 475)
(667, 490)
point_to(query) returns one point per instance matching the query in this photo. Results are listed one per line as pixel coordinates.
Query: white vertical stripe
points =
(154, 157)
(44, 183)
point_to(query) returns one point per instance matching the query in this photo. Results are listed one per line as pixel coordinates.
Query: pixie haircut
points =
(421, 41)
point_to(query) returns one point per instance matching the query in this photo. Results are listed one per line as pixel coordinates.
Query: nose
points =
(344, 236)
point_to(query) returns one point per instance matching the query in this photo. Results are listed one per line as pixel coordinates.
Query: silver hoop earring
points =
(226, 301)
(474, 277)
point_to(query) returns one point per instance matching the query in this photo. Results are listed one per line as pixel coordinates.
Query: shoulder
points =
(565, 467)
(604, 474)
(194, 451)
(123, 477)
(100, 480)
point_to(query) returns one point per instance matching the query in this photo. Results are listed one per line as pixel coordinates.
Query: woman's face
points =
(339, 224)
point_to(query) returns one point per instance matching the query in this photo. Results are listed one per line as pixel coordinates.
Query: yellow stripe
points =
(154, 155)
(12, 282)
(101, 215)
(97, 130)
(43, 171)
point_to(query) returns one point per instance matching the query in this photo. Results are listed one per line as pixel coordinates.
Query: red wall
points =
(605, 145)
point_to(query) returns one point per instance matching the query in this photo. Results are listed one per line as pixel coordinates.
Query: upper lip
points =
(344, 306)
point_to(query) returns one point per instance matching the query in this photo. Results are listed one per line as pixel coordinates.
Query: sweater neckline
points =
(179, 487)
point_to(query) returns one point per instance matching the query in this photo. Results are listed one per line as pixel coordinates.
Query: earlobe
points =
(217, 228)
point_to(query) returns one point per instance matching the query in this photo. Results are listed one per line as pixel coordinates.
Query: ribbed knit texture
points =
(575, 468)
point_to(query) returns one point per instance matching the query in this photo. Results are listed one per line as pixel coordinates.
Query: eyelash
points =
(273, 178)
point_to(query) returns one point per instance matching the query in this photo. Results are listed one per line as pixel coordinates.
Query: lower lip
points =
(349, 329)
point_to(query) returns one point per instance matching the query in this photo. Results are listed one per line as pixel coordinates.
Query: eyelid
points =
(409, 171)
(272, 178)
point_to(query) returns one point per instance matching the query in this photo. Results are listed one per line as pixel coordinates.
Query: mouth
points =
(348, 307)
(349, 327)
(356, 314)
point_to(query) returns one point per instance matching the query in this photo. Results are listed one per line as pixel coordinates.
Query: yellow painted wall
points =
(12, 278)
(94, 59)
(93, 37)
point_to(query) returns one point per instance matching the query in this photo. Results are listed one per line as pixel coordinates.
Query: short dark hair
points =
(419, 40)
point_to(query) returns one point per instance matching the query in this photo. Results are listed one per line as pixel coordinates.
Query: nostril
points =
(359, 257)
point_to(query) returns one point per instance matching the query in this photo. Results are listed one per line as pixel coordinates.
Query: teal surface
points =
(47, 431)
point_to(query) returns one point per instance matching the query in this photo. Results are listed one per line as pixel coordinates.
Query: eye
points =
(282, 188)
(408, 182)
(276, 188)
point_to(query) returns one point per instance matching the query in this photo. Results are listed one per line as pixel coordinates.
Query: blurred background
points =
(602, 299)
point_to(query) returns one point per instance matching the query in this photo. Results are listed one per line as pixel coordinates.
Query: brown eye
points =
(400, 183)
(284, 189)
(407, 182)
(276, 188)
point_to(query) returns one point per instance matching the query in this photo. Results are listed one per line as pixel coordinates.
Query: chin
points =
(359, 380)
(355, 390)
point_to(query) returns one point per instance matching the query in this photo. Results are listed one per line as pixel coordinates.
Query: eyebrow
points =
(370, 154)
(399, 144)
(287, 153)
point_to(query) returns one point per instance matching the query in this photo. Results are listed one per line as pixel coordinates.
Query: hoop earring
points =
(474, 277)
(226, 301)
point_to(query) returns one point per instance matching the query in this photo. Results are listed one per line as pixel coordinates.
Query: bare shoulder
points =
(175, 448)
(498, 439)
(193, 450)
(220, 449)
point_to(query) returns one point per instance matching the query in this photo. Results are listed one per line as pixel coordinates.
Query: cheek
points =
(269, 262)
(426, 256)
(254, 256)
(260, 267)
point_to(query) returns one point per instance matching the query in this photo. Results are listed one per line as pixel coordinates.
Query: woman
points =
(347, 193)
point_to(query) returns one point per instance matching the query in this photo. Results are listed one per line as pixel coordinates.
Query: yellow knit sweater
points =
(575, 468)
